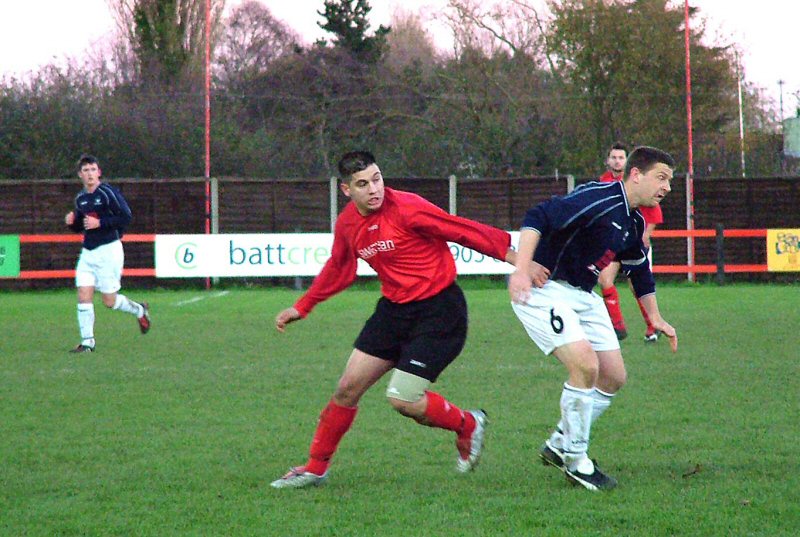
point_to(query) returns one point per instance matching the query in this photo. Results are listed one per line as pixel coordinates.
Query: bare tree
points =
(513, 25)
(409, 43)
(112, 62)
(166, 36)
(252, 39)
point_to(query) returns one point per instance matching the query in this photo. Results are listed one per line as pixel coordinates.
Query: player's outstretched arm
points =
(651, 307)
(511, 256)
(667, 330)
(520, 281)
(539, 273)
(289, 315)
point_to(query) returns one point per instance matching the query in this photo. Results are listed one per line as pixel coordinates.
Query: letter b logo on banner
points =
(185, 255)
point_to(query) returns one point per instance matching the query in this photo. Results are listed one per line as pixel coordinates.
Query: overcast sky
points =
(35, 32)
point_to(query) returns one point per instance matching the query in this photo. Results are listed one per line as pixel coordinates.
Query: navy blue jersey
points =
(584, 231)
(107, 204)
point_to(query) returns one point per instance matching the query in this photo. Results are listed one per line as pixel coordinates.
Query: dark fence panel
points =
(267, 206)
(503, 202)
(436, 190)
(249, 205)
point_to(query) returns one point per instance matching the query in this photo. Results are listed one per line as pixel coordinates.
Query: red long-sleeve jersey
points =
(405, 242)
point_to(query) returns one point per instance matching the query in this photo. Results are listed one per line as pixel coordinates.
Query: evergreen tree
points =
(347, 20)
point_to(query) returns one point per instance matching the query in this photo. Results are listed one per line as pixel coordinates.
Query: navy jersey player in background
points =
(564, 244)
(101, 214)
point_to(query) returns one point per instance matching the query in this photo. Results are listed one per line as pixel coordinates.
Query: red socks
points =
(611, 298)
(442, 414)
(334, 422)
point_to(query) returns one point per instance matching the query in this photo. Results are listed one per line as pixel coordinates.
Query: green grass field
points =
(179, 432)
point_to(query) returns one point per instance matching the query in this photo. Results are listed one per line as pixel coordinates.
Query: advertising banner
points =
(9, 256)
(277, 254)
(783, 250)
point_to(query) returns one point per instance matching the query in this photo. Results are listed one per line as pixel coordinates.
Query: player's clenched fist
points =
(289, 315)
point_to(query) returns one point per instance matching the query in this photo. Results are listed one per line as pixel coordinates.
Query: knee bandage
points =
(406, 387)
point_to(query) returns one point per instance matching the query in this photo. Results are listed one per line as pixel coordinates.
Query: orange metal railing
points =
(709, 233)
(658, 233)
(42, 274)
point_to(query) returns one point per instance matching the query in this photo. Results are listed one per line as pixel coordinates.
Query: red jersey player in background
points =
(420, 323)
(615, 162)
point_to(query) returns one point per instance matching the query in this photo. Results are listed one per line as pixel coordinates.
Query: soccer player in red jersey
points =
(615, 162)
(420, 323)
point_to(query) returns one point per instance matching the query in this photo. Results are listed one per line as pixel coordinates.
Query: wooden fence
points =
(247, 205)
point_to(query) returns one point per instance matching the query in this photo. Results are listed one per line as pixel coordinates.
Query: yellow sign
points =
(783, 250)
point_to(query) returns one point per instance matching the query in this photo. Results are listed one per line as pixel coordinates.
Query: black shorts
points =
(422, 337)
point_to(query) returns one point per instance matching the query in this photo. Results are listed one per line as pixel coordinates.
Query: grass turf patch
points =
(179, 432)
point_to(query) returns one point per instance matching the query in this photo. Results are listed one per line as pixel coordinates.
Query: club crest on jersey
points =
(375, 248)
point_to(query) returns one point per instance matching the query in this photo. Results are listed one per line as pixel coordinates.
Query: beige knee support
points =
(406, 387)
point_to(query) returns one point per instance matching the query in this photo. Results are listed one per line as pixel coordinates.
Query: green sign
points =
(9, 256)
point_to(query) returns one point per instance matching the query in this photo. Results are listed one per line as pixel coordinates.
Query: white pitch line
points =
(199, 298)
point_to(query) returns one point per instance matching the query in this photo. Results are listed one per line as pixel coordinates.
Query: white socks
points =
(86, 324)
(602, 401)
(576, 418)
(123, 303)
(579, 409)
(86, 316)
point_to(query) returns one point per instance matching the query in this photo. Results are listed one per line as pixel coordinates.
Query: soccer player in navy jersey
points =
(564, 244)
(420, 323)
(652, 216)
(101, 214)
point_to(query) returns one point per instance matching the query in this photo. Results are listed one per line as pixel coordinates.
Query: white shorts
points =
(101, 267)
(560, 313)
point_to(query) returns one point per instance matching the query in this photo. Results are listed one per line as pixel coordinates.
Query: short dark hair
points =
(354, 162)
(645, 157)
(87, 159)
(617, 146)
